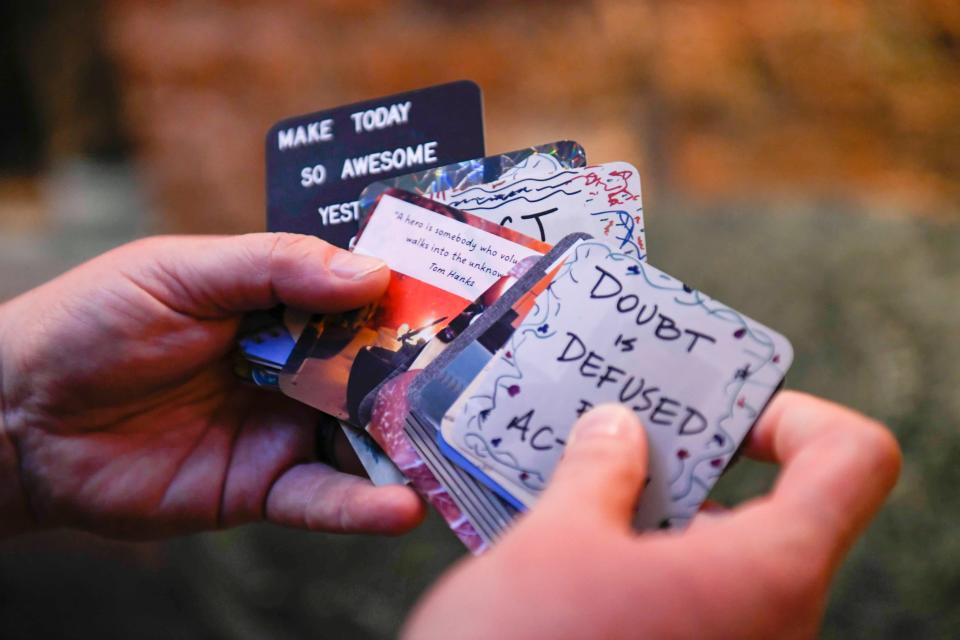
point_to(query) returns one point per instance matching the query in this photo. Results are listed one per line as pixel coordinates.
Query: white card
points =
(438, 250)
(602, 200)
(611, 328)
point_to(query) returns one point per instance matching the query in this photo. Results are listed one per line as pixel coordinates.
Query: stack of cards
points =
(520, 297)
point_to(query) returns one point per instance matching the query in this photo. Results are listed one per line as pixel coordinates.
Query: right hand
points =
(574, 568)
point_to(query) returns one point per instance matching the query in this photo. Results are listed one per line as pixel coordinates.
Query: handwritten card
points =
(539, 160)
(601, 200)
(611, 328)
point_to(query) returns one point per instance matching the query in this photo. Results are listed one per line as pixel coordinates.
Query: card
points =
(611, 328)
(255, 374)
(380, 469)
(471, 508)
(440, 259)
(601, 200)
(534, 161)
(318, 163)
(270, 336)
(272, 347)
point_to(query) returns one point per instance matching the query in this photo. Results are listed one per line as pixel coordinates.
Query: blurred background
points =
(800, 161)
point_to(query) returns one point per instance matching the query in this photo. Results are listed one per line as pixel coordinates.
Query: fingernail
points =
(606, 421)
(353, 266)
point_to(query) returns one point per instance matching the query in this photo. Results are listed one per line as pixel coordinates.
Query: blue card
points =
(318, 163)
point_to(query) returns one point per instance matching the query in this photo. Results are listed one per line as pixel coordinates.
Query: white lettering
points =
(430, 152)
(381, 117)
(310, 176)
(285, 138)
(389, 160)
(339, 213)
(313, 133)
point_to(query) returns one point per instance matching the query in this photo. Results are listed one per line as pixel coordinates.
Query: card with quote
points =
(602, 200)
(611, 328)
(440, 259)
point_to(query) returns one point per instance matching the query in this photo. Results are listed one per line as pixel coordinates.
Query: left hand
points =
(119, 412)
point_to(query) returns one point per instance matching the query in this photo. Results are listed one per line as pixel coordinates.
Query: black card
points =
(318, 163)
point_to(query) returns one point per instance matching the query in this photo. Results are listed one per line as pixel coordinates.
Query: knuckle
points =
(144, 247)
(284, 248)
(883, 450)
(287, 253)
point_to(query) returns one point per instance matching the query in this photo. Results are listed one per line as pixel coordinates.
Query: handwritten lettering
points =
(660, 408)
(609, 287)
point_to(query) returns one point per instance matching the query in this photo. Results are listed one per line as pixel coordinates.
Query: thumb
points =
(218, 276)
(602, 471)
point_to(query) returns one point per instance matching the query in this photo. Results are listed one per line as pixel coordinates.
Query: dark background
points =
(800, 162)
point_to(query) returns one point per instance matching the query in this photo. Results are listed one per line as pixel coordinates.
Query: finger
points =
(709, 513)
(345, 457)
(213, 277)
(838, 467)
(602, 471)
(713, 507)
(333, 448)
(314, 496)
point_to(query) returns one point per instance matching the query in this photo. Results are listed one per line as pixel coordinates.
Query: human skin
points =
(120, 414)
(574, 568)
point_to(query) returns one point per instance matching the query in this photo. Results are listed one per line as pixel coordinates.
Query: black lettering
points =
(521, 423)
(667, 329)
(660, 409)
(625, 394)
(606, 377)
(623, 308)
(588, 362)
(646, 398)
(605, 275)
(692, 413)
(696, 336)
(536, 434)
(564, 357)
(641, 320)
(584, 407)
(536, 218)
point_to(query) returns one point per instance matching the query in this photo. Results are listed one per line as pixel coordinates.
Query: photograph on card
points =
(440, 260)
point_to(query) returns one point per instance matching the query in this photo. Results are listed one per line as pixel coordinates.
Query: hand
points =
(573, 568)
(120, 414)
